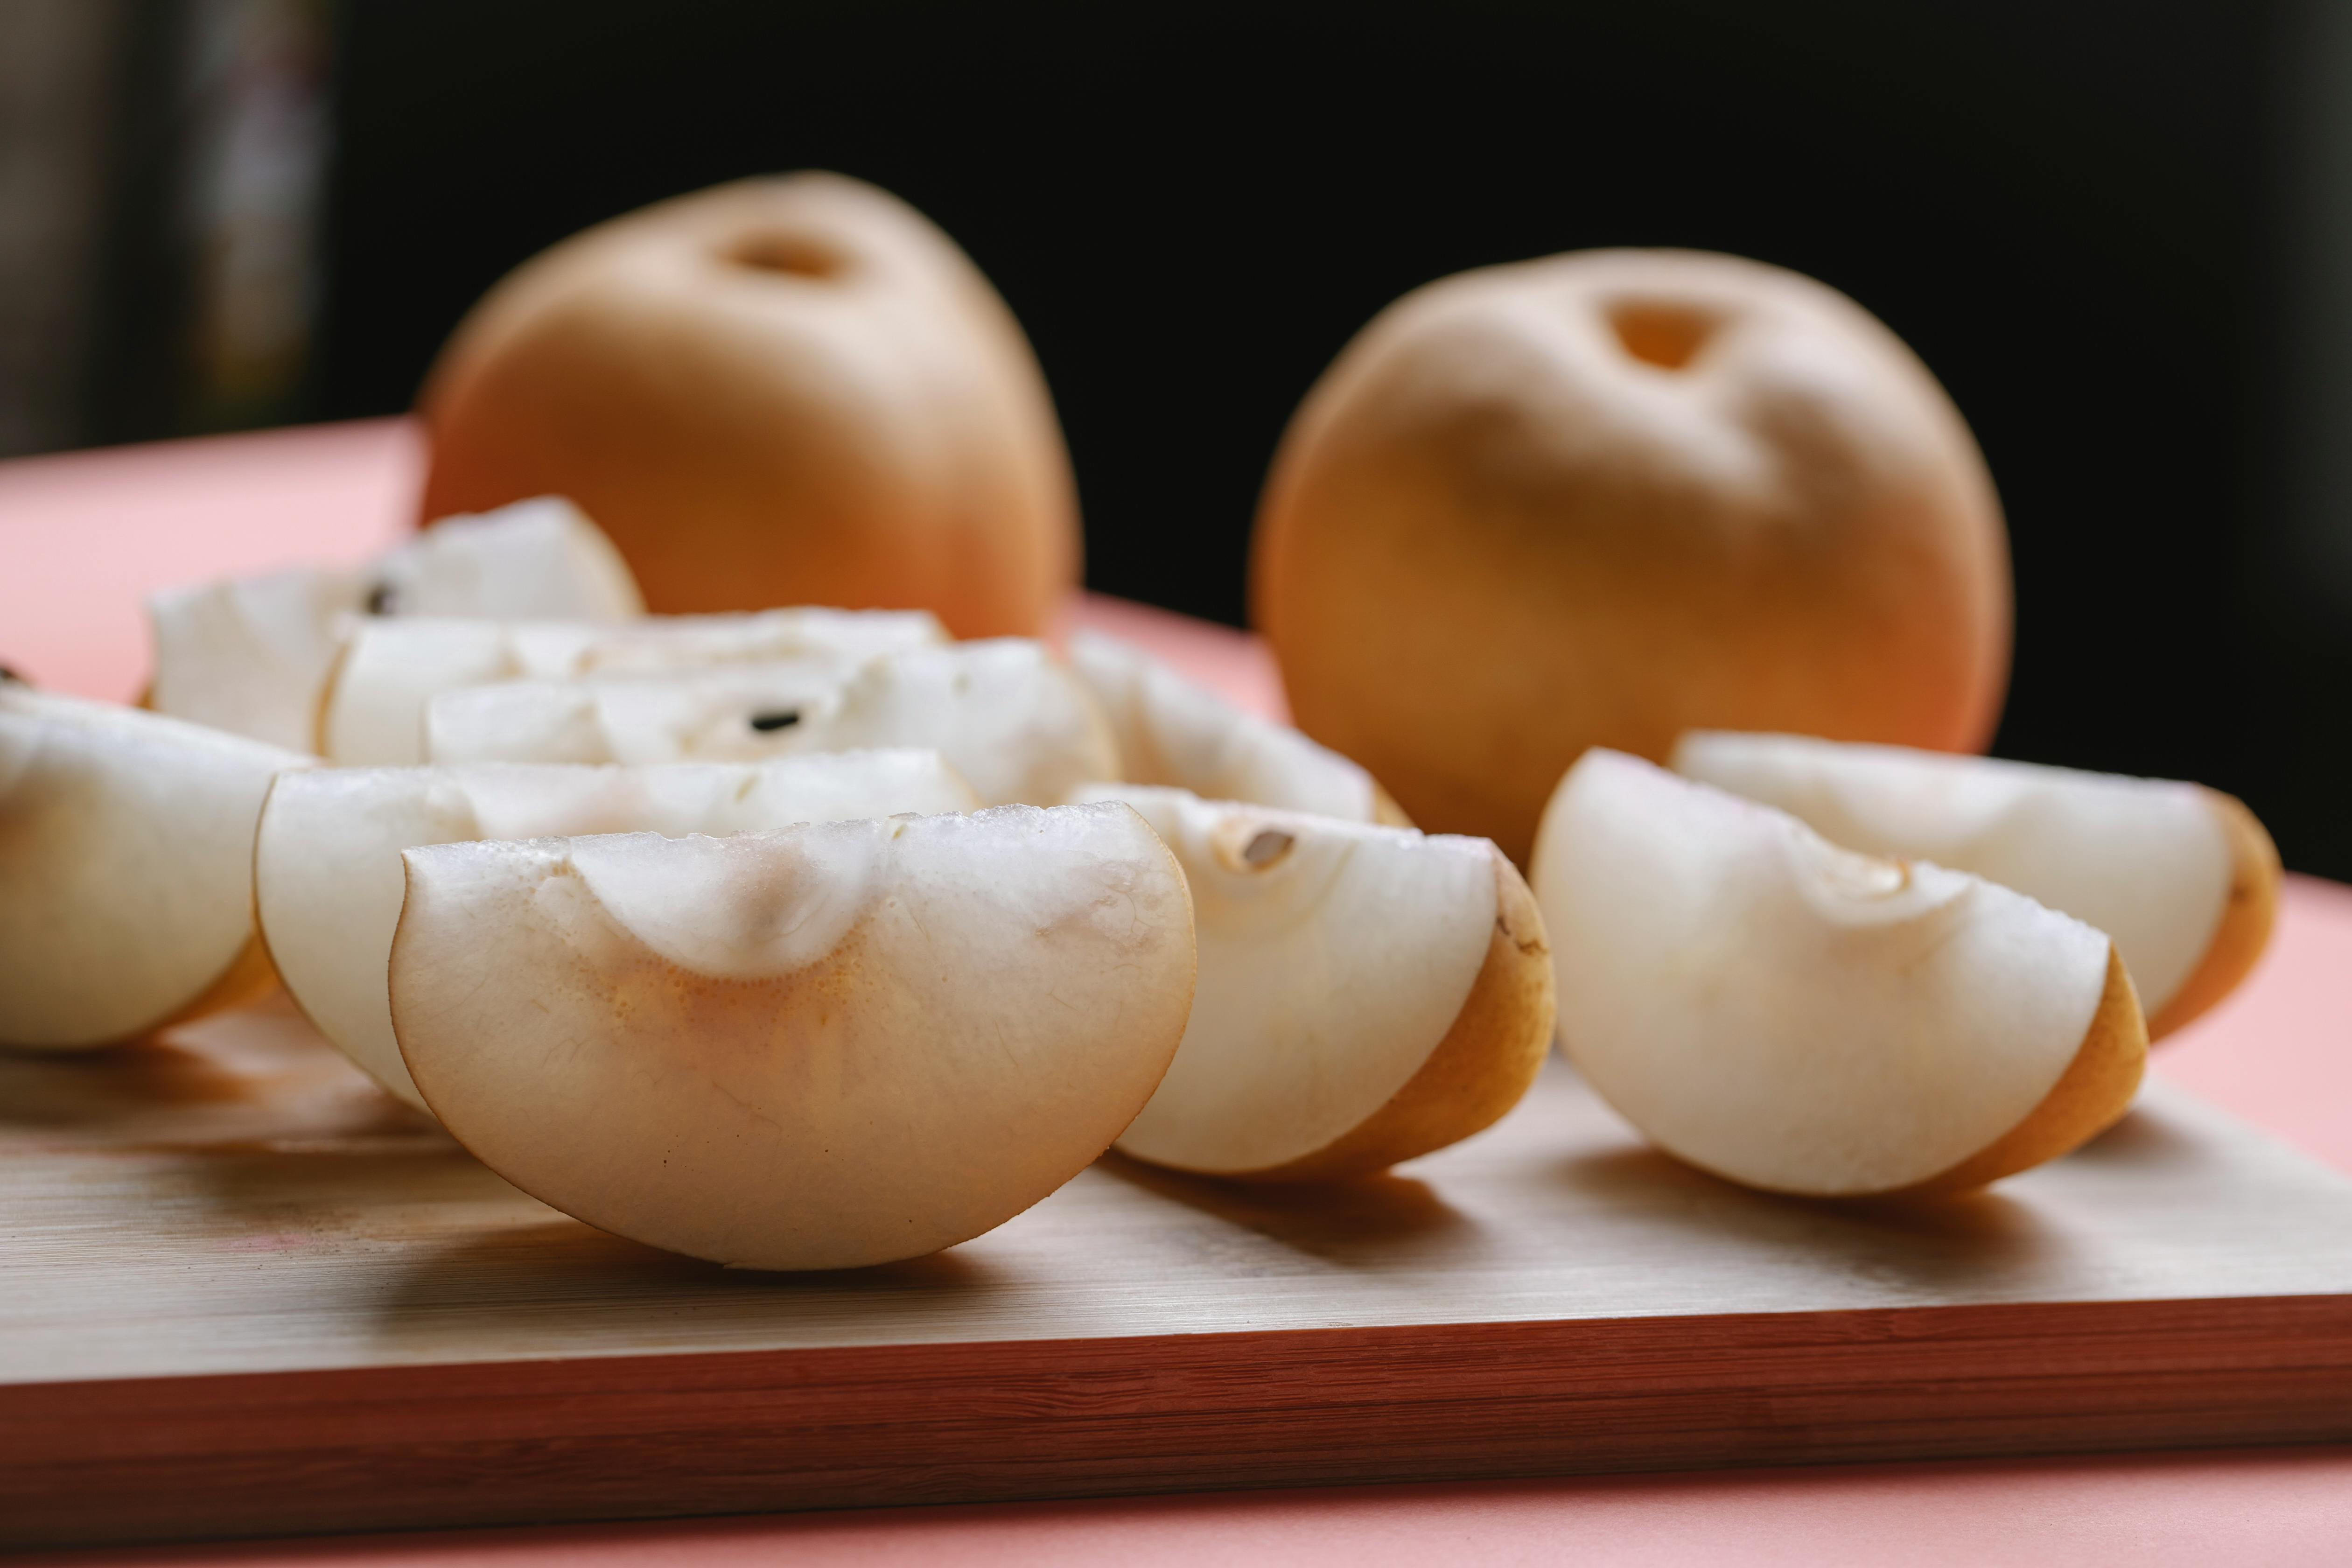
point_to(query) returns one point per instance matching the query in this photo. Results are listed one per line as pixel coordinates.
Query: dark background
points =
(2113, 230)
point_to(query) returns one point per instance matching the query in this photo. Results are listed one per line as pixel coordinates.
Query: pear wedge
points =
(252, 655)
(2183, 878)
(327, 873)
(1007, 715)
(541, 559)
(388, 670)
(1808, 1019)
(819, 1048)
(126, 870)
(1173, 732)
(249, 654)
(1367, 994)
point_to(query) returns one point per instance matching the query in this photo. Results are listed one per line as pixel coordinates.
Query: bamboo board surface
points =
(241, 1290)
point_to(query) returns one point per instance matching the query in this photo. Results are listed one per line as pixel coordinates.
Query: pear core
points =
(327, 871)
(1004, 712)
(820, 1047)
(1173, 732)
(2162, 868)
(1366, 995)
(126, 868)
(1808, 1019)
(252, 655)
(389, 670)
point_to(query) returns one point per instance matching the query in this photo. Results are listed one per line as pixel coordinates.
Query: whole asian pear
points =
(1602, 497)
(785, 390)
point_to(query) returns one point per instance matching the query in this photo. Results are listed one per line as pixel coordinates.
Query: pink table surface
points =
(83, 536)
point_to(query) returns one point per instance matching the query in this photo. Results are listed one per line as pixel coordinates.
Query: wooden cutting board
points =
(242, 1292)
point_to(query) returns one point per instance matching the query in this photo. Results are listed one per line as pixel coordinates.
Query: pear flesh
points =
(820, 1047)
(1808, 1019)
(373, 714)
(1008, 716)
(252, 655)
(1173, 732)
(126, 868)
(2161, 866)
(1340, 964)
(247, 655)
(326, 871)
(541, 559)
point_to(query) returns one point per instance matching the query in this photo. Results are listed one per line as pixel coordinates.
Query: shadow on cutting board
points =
(86, 1089)
(1396, 1216)
(1913, 1245)
(523, 1288)
(243, 1080)
(558, 1259)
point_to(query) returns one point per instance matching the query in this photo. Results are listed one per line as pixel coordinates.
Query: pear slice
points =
(2183, 878)
(247, 655)
(1808, 1019)
(251, 655)
(126, 870)
(373, 714)
(819, 1048)
(1367, 994)
(1006, 715)
(326, 863)
(541, 559)
(1170, 732)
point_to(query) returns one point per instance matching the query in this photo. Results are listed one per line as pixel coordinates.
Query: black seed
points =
(7, 674)
(382, 599)
(781, 719)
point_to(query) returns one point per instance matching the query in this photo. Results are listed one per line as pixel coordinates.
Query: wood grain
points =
(242, 1292)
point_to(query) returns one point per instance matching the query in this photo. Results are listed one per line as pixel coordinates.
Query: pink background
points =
(85, 535)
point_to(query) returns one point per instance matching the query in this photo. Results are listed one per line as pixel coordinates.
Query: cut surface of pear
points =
(252, 655)
(247, 655)
(1005, 713)
(126, 868)
(1172, 732)
(1809, 1019)
(1366, 994)
(2181, 876)
(388, 670)
(541, 559)
(819, 1048)
(327, 871)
